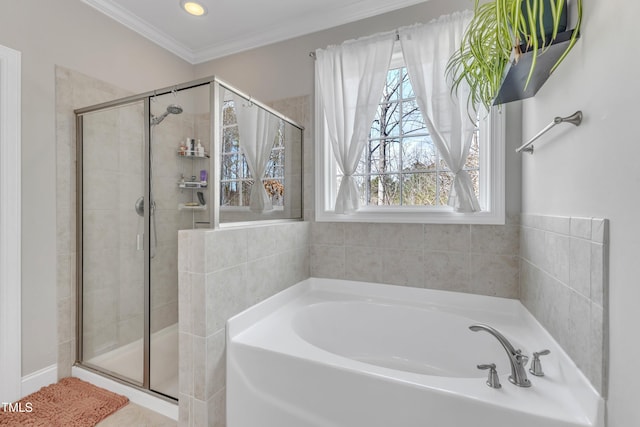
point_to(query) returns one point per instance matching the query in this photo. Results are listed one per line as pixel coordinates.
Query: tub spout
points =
(516, 358)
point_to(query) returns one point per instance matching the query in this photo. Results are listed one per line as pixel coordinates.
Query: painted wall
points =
(592, 171)
(284, 70)
(71, 34)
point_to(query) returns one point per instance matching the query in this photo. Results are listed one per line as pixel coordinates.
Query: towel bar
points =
(575, 119)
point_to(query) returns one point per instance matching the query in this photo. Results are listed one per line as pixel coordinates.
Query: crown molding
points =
(142, 27)
(276, 33)
(301, 27)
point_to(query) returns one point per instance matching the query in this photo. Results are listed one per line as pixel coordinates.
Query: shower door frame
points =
(145, 386)
(214, 212)
(79, 359)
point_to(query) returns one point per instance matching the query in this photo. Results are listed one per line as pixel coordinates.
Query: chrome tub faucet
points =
(516, 358)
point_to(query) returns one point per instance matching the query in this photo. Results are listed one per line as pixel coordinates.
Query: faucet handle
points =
(536, 366)
(523, 359)
(492, 381)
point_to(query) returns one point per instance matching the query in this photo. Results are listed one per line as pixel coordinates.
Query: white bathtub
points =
(352, 354)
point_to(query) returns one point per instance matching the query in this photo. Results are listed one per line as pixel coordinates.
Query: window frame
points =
(491, 185)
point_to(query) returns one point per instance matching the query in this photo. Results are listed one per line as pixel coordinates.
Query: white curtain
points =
(426, 49)
(351, 78)
(256, 135)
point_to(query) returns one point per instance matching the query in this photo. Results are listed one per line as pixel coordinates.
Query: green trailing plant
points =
(499, 32)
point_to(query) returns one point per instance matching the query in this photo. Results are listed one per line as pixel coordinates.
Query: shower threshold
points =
(127, 361)
(138, 396)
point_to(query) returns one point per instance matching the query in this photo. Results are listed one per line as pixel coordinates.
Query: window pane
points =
(418, 154)
(275, 166)
(412, 121)
(445, 179)
(389, 115)
(442, 165)
(228, 113)
(381, 190)
(475, 179)
(274, 171)
(419, 189)
(279, 141)
(473, 161)
(230, 139)
(407, 89)
(382, 156)
(229, 194)
(375, 126)
(246, 192)
(231, 166)
(392, 86)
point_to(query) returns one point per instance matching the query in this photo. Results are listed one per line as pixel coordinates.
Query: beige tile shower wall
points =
(167, 167)
(479, 259)
(73, 90)
(564, 281)
(113, 268)
(222, 272)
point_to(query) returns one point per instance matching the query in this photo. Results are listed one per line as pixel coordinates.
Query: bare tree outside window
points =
(400, 165)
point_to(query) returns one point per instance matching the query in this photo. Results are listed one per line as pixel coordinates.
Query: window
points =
(400, 176)
(236, 180)
(400, 165)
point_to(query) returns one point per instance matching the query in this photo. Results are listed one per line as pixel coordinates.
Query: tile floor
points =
(134, 415)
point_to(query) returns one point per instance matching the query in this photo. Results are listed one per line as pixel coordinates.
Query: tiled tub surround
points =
(221, 273)
(479, 259)
(564, 284)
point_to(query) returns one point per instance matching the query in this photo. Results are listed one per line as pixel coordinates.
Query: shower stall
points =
(196, 155)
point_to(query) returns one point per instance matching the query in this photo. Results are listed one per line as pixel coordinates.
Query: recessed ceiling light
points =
(193, 8)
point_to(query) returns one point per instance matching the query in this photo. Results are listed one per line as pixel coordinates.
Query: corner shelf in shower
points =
(191, 185)
(190, 154)
(188, 207)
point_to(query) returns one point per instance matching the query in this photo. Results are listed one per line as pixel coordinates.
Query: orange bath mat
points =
(69, 402)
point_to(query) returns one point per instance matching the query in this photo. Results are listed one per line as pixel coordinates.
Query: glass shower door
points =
(112, 254)
(178, 172)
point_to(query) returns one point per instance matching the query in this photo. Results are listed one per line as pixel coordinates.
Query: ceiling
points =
(232, 26)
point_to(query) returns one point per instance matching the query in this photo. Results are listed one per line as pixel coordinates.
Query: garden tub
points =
(352, 354)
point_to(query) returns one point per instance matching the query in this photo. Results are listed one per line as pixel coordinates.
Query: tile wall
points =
(564, 284)
(480, 259)
(113, 176)
(223, 272)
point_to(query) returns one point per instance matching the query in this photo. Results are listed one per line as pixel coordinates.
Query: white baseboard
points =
(38, 379)
(136, 396)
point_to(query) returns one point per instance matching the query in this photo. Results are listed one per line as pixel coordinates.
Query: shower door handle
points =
(139, 206)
